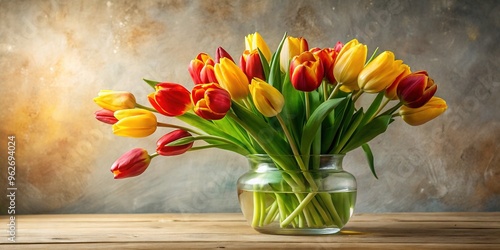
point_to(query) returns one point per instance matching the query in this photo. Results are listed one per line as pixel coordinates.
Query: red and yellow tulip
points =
(201, 69)
(210, 101)
(130, 164)
(170, 99)
(106, 116)
(306, 72)
(163, 149)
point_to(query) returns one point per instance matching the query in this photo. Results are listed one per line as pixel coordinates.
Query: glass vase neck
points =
(293, 163)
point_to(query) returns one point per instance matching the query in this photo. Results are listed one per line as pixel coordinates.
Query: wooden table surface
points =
(194, 231)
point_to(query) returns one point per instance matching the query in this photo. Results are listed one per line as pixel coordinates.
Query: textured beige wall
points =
(56, 55)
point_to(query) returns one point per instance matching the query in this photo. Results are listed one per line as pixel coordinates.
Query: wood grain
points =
(161, 231)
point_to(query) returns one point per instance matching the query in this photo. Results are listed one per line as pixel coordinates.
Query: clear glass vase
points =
(277, 197)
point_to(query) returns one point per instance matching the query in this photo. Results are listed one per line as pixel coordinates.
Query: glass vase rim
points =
(291, 155)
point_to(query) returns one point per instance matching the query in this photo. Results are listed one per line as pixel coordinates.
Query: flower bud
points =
(163, 149)
(130, 164)
(306, 72)
(170, 99)
(255, 41)
(115, 100)
(415, 89)
(201, 69)
(106, 116)
(251, 65)
(379, 73)
(418, 116)
(292, 46)
(232, 78)
(349, 63)
(268, 100)
(134, 123)
(210, 101)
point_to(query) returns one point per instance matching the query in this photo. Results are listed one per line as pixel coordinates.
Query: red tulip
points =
(106, 116)
(416, 89)
(251, 65)
(170, 99)
(221, 53)
(306, 71)
(201, 69)
(211, 101)
(164, 150)
(131, 164)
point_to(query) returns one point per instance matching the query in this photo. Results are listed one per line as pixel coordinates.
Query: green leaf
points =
(314, 122)
(294, 110)
(368, 132)
(151, 83)
(265, 64)
(370, 112)
(274, 68)
(209, 127)
(344, 122)
(353, 125)
(213, 140)
(330, 127)
(372, 57)
(369, 158)
(269, 139)
(230, 127)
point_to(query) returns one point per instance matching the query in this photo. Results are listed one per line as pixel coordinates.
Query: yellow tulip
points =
(268, 100)
(292, 46)
(254, 41)
(348, 65)
(418, 116)
(232, 79)
(115, 100)
(390, 92)
(134, 123)
(380, 73)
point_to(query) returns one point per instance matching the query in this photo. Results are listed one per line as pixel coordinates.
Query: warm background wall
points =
(56, 55)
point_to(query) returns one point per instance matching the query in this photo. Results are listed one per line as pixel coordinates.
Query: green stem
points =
(308, 105)
(357, 95)
(298, 209)
(256, 208)
(207, 138)
(229, 147)
(327, 199)
(325, 89)
(169, 125)
(386, 101)
(391, 110)
(137, 105)
(335, 91)
(296, 154)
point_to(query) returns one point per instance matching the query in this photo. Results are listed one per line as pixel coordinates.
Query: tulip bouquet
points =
(296, 101)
